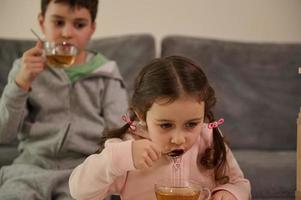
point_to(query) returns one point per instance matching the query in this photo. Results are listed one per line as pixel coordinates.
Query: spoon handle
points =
(39, 38)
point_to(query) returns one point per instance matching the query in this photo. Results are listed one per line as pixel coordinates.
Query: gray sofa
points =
(258, 89)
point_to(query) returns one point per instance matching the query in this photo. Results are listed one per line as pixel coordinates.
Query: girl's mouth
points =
(175, 153)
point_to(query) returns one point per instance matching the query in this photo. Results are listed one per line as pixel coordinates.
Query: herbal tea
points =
(60, 61)
(177, 193)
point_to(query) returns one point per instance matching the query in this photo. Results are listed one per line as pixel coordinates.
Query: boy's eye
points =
(165, 126)
(79, 25)
(59, 23)
(191, 125)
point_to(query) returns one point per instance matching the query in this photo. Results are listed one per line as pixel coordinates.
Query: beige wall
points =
(247, 20)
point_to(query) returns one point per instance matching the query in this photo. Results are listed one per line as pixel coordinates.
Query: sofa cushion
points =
(272, 173)
(257, 87)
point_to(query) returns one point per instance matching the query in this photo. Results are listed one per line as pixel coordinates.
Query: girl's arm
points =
(238, 186)
(101, 175)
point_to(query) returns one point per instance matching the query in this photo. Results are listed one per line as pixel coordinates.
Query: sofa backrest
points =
(257, 85)
(131, 52)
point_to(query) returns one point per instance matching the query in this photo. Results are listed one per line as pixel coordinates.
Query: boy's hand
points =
(145, 153)
(32, 64)
(223, 195)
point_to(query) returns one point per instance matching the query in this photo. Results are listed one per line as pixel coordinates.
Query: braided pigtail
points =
(215, 157)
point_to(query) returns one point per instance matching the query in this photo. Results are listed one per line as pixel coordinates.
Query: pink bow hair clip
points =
(128, 120)
(215, 124)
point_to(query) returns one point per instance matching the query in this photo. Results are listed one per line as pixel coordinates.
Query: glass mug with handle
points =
(59, 55)
(181, 189)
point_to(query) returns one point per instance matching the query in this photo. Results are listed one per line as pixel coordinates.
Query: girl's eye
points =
(191, 125)
(165, 126)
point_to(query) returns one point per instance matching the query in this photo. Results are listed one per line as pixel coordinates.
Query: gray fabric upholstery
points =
(131, 52)
(257, 87)
(258, 93)
(271, 173)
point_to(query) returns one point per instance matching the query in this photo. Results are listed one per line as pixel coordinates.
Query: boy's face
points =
(175, 125)
(62, 23)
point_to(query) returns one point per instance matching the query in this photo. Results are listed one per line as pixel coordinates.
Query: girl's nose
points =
(178, 138)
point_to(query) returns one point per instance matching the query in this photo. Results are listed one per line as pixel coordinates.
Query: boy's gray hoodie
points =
(59, 123)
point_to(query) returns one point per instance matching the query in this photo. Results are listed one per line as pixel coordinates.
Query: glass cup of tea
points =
(60, 55)
(181, 189)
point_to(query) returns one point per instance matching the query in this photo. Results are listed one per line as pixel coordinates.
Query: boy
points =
(59, 114)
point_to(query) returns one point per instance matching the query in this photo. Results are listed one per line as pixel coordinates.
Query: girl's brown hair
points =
(171, 77)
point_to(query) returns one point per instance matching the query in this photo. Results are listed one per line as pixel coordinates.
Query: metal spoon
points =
(39, 38)
(174, 153)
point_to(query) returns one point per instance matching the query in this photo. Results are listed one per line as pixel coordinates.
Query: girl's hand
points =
(223, 195)
(145, 153)
(32, 64)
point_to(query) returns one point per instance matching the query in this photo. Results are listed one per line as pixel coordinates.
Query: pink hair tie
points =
(128, 120)
(215, 124)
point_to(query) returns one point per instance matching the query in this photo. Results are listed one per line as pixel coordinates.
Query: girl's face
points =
(62, 23)
(175, 125)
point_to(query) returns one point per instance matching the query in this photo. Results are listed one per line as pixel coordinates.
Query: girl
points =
(170, 111)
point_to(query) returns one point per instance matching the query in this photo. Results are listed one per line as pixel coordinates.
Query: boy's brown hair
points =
(91, 5)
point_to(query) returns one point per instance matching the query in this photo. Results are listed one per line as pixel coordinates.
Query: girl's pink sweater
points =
(113, 172)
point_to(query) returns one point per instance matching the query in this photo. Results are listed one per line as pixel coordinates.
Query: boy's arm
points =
(101, 175)
(115, 101)
(237, 185)
(12, 106)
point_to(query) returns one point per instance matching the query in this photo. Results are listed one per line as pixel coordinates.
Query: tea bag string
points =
(176, 171)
